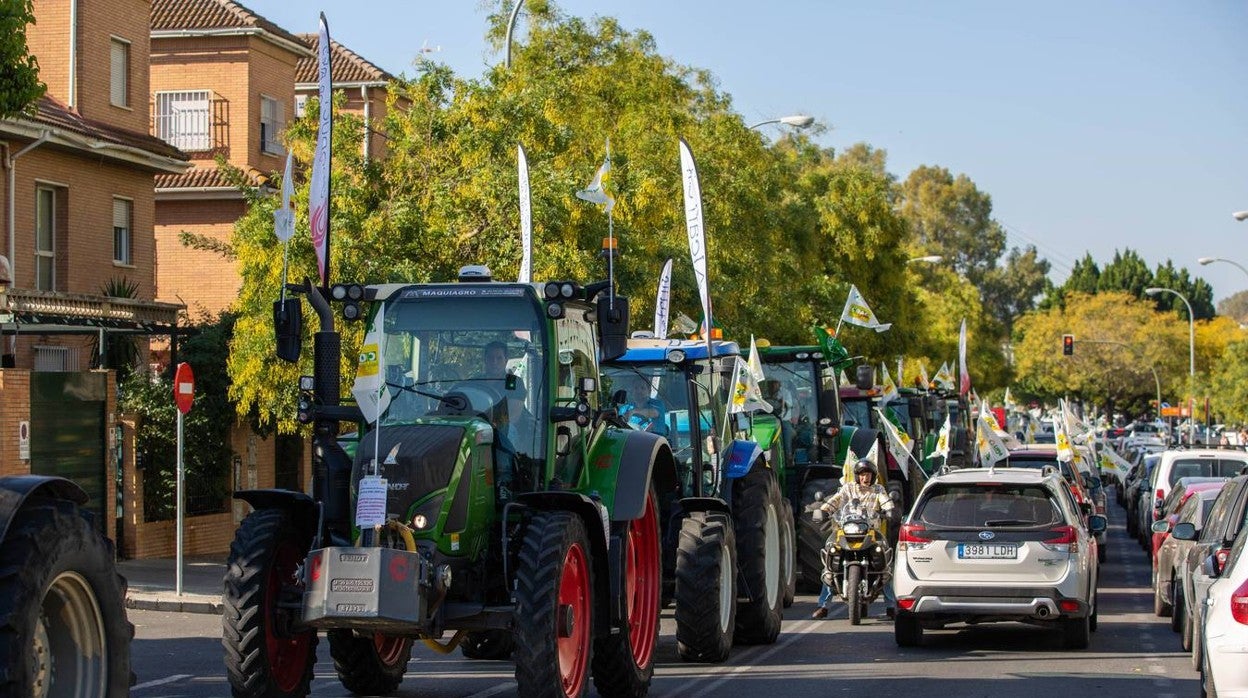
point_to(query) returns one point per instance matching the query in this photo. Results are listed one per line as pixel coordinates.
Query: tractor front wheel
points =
(265, 656)
(706, 587)
(756, 516)
(371, 665)
(624, 662)
(554, 607)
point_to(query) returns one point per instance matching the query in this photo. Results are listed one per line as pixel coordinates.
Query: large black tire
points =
(263, 658)
(373, 665)
(788, 553)
(853, 593)
(1161, 606)
(63, 626)
(488, 644)
(624, 662)
(756, 520)
(1177, 610)
(812, 535)
(1076, 633)
(554, 620)
(706, 587)
(1186, 632)
(906, 630)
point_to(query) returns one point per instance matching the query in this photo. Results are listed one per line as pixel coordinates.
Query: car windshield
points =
(487, 351)
(976, 505)
(1203, 467)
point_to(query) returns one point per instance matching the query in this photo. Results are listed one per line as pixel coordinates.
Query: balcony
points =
(50, 311)
(194, 121)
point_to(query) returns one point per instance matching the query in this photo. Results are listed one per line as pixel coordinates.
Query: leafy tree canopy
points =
(19, 79)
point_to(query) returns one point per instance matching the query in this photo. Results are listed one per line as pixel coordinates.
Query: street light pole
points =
(1210, 260)
(511, 24)
(1191, 326)
(794, 120)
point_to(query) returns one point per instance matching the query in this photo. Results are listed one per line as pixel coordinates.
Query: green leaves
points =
(19, 80)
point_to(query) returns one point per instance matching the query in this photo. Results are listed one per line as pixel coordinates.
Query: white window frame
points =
(184, 119)
(119, 75)
(123, 236)
(49, 254)
(272, 121)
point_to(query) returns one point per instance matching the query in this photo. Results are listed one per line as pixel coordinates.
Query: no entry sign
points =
(184, 387)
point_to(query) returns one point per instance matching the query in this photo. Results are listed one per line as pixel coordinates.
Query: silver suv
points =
(1008, 544)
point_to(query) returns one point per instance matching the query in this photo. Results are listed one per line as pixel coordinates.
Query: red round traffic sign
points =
(184, 387)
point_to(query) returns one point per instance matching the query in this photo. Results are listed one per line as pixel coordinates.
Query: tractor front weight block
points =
(381, 590)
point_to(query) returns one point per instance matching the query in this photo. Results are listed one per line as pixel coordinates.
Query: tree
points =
(1127, 272)
(19, 81)
(951, 217)
(1229, 384)
(1012, 290)
(1198, 292)
(1235, 306)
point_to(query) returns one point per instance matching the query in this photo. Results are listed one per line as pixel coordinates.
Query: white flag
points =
(889, 387)
(923, 376)
(526, 218)
(284, 216)
(944, 377)
(370, 389)
(992, 448)
(318, 201)
(694, 228)
(596, 192)
(856, 312)
(663, 301)
(899, 443)
(756, 363)
(1065, 453)
(942, 439)
(746, 395)
(964, 377)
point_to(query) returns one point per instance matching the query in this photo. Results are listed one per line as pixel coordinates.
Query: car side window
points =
(1217, 517)
(1187, 512)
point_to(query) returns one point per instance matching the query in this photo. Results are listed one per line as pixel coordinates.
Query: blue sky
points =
(1094, 126)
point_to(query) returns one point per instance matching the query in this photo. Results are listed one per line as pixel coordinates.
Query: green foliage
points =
(1012, 290)
(1229, 384)
(1235, 306)
(953, 218)
(206, 428)
(1130, 273)
(19, 79)
(121, 352)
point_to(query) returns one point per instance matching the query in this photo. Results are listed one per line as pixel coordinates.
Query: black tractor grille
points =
(422, 464)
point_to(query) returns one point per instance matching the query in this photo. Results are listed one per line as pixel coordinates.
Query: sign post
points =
(183, 396)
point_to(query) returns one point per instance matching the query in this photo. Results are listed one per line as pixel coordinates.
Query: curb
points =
(171, 603)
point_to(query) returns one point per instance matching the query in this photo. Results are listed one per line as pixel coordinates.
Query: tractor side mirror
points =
(864, 377)
(828, 407)
(288, 328)
(612, 327)
(916, 407)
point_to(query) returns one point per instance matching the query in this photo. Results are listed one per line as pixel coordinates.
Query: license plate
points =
(987, 551)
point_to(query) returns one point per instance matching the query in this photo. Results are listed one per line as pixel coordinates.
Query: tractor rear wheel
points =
(264, 656)
(624, 663)
(788, 555)
(554, 607)
(488, 644)
(756, 514)
(370, 665)
(63, 627)
(706, 587)
(812, 535)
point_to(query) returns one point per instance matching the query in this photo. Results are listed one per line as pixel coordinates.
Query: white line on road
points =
(161, 682)
(506, 686)
(793, 636)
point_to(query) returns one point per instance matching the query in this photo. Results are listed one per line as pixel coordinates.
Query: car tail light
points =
(1239, 603)
(910, 537)
(1062, 539)
(905, 603)
(1221, 557)
(1068, 605)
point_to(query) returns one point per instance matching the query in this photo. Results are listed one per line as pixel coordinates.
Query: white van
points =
(1195, 462)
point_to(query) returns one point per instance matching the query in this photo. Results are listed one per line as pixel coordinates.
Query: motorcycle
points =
(856, 558)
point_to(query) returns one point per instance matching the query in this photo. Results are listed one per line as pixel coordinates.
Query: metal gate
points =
(67, 432)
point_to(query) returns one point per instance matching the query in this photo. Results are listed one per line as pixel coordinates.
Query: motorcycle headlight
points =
(855, 529)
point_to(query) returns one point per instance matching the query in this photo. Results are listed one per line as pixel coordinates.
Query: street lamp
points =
(1191, 326)
(930, 259)
(1240, 215)
(1210, 260)
(794, 120)
(511, 24)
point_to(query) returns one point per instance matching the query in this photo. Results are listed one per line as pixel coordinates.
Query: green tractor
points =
(728, 535)
(490, 499)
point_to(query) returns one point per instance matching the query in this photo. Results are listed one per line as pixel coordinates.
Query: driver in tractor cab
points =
(879, 507)
(642, 408)
(786, 408)
(511, 419)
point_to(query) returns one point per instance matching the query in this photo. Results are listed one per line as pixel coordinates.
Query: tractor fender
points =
(585, 508)
(14, 491)
(690, 504)
(862, 439)
(645, 458)
(303, 508)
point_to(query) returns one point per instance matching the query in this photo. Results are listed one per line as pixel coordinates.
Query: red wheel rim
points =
(642, 583)
(288, 654)
(574, 598)
(389, 649)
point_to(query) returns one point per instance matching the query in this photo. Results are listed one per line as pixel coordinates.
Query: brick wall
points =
(204, 280)
(218, 64)
(272, 74)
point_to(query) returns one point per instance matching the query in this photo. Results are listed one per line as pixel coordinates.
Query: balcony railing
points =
(32, 307)
(196, 122)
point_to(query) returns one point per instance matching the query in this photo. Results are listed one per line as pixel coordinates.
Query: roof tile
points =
(170, 15)
(345, 65)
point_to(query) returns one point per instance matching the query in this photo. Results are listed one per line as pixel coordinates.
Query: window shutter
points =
(120, 59)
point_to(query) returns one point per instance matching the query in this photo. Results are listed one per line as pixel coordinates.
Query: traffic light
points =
(1068, 344)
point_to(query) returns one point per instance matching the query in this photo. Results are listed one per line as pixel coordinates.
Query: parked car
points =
(1171, 551)
(1180, 463)
(1224, 665)
(1183, 489)
(1226, 519)
(1137, 482)
(989, 545)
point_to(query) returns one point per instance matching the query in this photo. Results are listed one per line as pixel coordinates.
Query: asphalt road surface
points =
(1133, 653)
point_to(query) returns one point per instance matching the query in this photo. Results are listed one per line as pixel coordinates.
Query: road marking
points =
(507, 686)
(793, 635)
(161, 682)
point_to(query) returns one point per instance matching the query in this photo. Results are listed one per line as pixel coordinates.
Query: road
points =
(1132, 654)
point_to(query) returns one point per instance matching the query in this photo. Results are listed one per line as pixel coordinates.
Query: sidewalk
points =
(152, 584)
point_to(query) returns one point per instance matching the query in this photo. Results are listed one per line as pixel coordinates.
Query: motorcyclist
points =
(878, 505)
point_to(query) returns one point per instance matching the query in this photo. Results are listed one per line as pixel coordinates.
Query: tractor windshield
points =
(468, 355)
(856, 413)
(791, 389)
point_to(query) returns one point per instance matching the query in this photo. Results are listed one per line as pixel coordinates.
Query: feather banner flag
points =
(663, 301)
(695, 230)
(318, 199)
(964, 377)
(526, 218)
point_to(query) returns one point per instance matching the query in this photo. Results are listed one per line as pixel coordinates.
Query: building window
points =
(45, 236)
(56, 358)
(301, 106)
(272, 119)
(121, 231)
(184, 119)
(119, 53)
